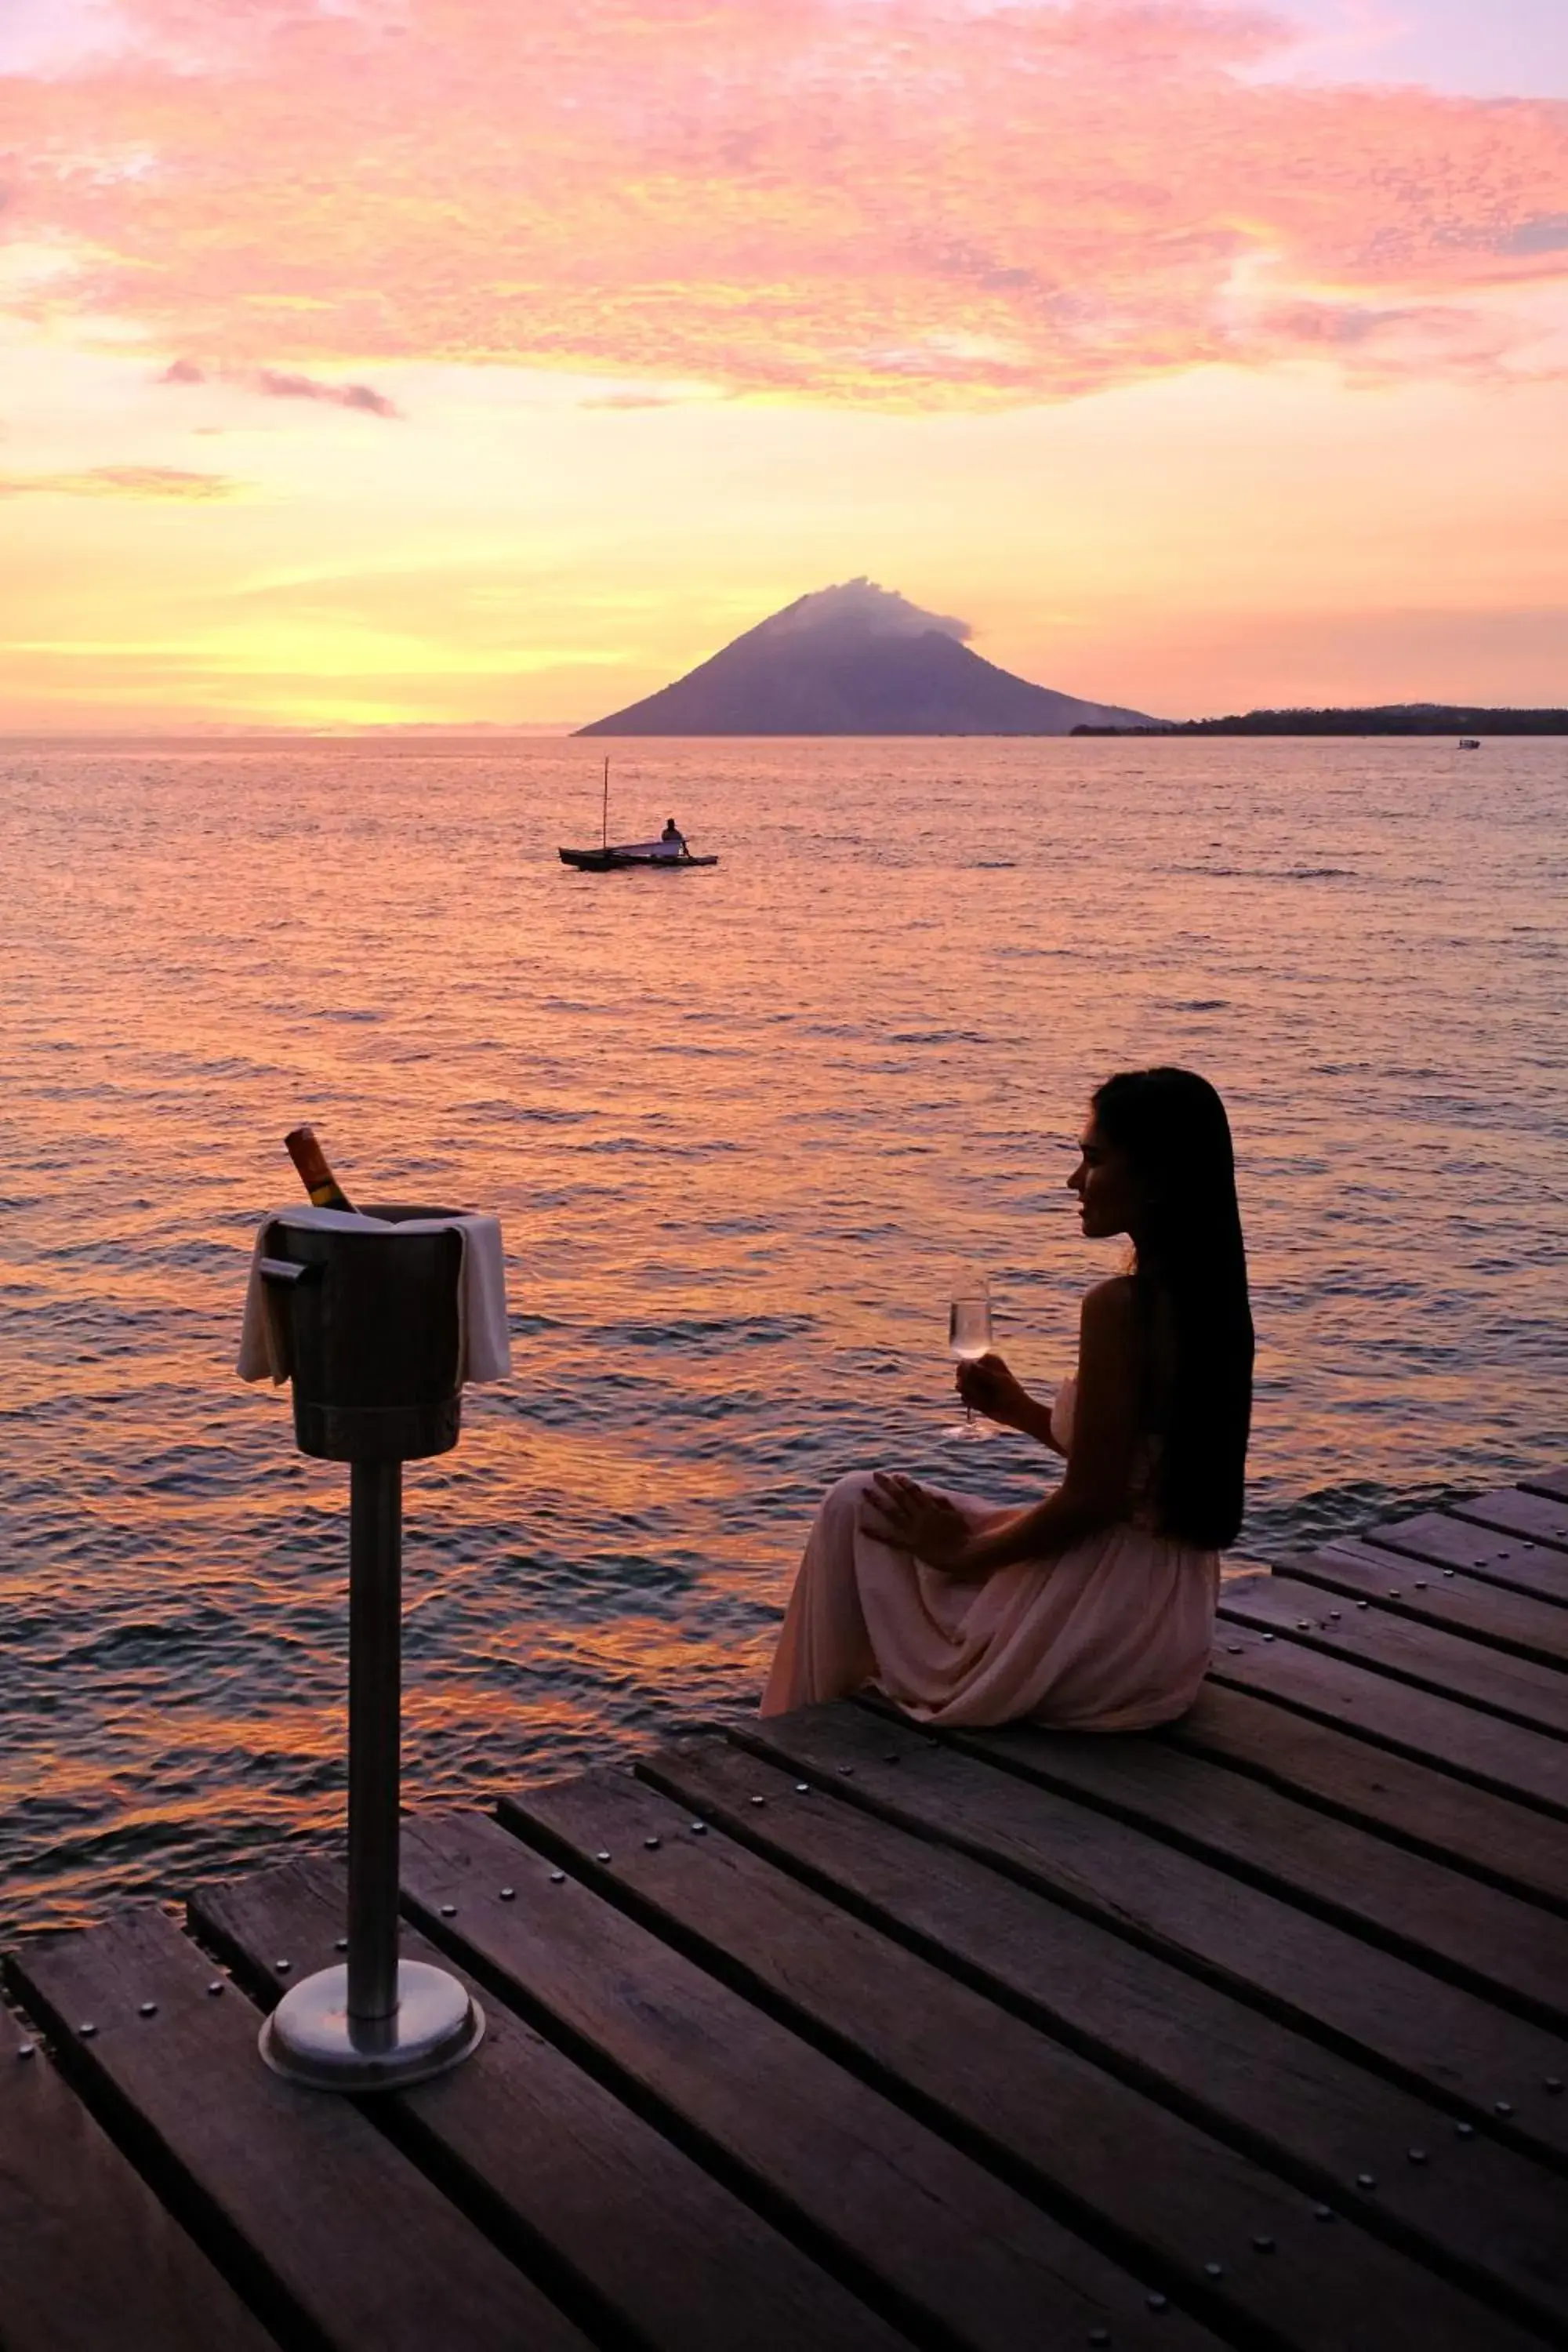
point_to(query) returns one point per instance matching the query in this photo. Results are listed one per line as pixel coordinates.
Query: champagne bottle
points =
(318, 1178)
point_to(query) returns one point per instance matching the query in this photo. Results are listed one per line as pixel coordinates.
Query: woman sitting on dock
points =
(1092, 1610)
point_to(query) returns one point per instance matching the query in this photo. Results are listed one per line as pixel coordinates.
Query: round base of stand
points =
(309, 2036)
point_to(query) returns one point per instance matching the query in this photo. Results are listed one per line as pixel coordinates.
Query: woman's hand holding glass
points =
(988, 1387)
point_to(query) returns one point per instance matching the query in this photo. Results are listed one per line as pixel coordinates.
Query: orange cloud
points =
(909, 203)
(121, 482)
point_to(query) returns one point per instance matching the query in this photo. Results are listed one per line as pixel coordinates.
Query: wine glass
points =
(969, 1338)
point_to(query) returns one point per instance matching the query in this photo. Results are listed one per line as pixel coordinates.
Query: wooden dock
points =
(827, 2033)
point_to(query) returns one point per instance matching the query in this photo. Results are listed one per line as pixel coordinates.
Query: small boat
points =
(1469, 742)
(669, 856)
(617, 858)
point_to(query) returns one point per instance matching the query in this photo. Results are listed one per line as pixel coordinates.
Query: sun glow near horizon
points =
(434, 362)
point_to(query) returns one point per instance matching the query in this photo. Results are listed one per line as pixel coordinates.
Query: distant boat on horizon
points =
(665, 856)
(1469, 742)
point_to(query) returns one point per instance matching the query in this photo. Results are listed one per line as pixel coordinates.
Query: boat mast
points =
(605, 815)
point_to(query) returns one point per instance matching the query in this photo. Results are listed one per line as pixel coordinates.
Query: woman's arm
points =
(1097, 1486)
(1096, 1490)
(988, 1386)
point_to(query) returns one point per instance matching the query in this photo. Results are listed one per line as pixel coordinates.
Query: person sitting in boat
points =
(1092, 1610)
(672, 841)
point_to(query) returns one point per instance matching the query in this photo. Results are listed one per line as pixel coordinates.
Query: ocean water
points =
(743, 1127)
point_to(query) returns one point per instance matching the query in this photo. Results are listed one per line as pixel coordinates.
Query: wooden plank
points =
(364, 2251)
(1306, 2111)
(1513, 1688)
(1436, 2038)
(1038, 2111)
(929, 2228)
(1393, 2015)
(1456, 1547)
(1458, 1604)
(557, 2168)
(1551, 1483)
(89, 2258)
(1506, 1845)
(1506, 1951)
(1442, 1732)
(1535, 1518)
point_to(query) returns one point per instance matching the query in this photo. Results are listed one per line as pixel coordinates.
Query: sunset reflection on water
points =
(741, 1128)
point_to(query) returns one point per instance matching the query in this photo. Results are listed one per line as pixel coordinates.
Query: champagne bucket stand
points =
(373, 1345)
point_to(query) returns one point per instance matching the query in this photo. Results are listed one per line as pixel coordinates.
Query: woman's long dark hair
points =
(1173, 1129)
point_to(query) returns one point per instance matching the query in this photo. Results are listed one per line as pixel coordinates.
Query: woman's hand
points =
(987, 1386)
(905, 1513)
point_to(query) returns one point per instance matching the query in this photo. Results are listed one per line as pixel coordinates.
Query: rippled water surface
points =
(742, 1127)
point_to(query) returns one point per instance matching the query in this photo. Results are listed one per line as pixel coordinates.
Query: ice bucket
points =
(374, 1334)
(364, 1318)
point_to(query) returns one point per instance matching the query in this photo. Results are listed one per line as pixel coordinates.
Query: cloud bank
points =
(120, 482)
(905, 203)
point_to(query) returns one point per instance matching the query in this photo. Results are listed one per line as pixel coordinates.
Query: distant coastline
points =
(484, 739)
(1390, 718)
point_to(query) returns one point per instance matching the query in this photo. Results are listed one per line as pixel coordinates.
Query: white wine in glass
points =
(969, 1339)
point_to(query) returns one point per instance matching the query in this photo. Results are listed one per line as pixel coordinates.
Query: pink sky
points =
(464, 359)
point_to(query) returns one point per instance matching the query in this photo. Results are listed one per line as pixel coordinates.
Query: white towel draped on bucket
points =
(484, 1344)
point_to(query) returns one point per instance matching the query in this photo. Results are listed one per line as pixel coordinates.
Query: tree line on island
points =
(1382, 719)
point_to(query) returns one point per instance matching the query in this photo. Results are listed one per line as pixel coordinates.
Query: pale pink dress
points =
(1112, 1635)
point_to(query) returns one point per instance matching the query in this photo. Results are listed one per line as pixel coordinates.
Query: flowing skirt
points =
(1114, 1634)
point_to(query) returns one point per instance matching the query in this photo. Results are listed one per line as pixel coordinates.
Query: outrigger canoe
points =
(668, 854)
(642, 856)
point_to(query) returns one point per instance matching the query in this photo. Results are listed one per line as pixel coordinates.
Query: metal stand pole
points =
(375, 1697)
(380, 2022)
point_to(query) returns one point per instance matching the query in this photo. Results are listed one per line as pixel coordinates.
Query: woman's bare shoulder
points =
(1111, 1306)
